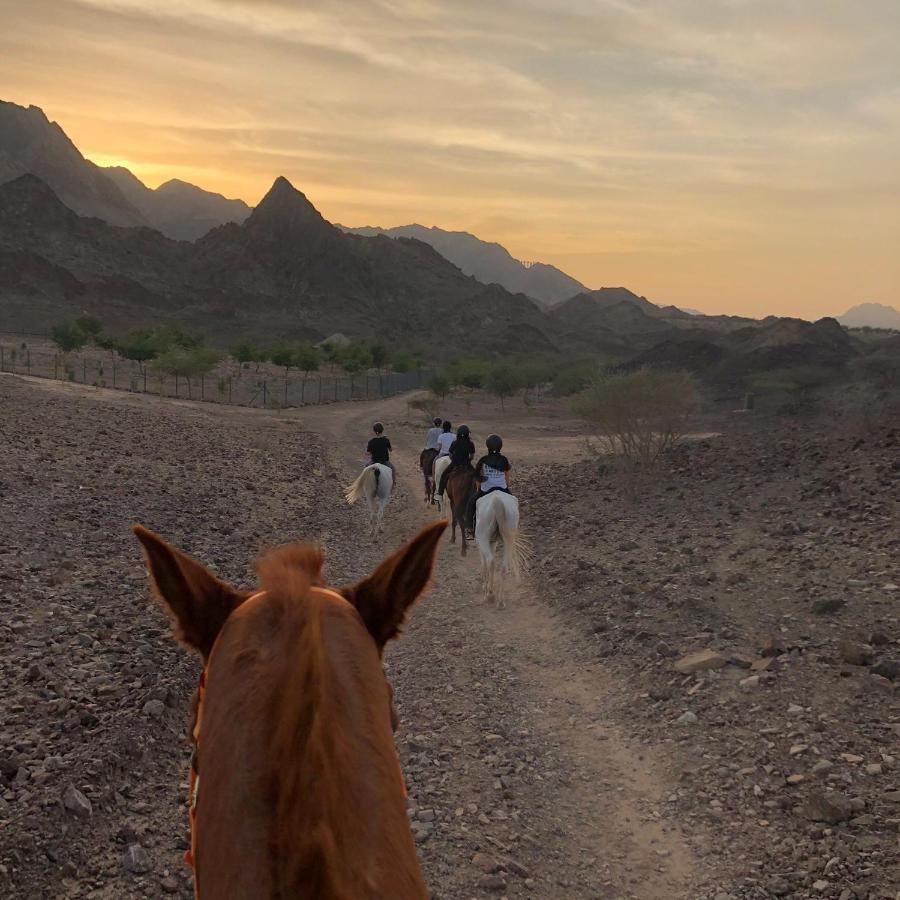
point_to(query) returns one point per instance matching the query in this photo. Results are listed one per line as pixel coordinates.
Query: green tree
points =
(503, 380)
(186, 363)
(283, 355)
(307, 359)
(403, 362)
(244, 352)
(68, 337)
(91, 326)
(439, 385)
(140, 346)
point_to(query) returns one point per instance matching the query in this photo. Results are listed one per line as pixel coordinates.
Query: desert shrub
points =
(186, 363)
(796, 389)
(90, 326)
(640, 416)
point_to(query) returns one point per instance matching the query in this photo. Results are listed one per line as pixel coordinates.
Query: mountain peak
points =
(285, 207)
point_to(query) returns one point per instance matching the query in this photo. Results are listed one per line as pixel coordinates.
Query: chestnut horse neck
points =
(301, 791)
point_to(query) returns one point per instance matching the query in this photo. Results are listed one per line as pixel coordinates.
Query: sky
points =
(732, 156)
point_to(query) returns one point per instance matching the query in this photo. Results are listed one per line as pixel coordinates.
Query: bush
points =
(641, 414)
(89, 325)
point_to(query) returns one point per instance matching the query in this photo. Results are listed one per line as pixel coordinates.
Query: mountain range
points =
(31, 144)
(489, 263)
(871, 315)
(77, 238)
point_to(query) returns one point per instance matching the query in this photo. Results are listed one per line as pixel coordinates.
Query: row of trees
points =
(505, 378)
(168, 350)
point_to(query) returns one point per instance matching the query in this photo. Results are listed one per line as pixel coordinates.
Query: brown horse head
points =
(296, 788)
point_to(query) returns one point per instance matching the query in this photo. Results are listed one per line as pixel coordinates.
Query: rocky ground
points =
(552, 749)
(750, 601)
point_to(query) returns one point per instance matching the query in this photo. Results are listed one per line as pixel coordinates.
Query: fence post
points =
(2, 362)
(229, 388)
(265, 392)
(56, 366)
(28, 361)
(145, 380)
(284, 400)
(83, 370)
(114, 372)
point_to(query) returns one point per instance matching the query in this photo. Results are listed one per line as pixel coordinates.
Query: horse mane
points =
(305, 760)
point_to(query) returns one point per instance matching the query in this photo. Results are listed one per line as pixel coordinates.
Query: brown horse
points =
(296, 788)
(460, 487)
(426, 463)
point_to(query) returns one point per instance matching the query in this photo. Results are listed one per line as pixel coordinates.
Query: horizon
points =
(735, 160)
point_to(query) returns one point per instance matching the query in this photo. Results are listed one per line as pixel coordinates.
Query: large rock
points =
(854, 653)
(830, 807)
(702, 661)
(76, 803)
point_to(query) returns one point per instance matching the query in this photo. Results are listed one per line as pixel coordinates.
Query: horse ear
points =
(198, 602)
(384, 598)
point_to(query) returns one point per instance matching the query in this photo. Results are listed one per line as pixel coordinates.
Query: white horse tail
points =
(516, 546)
(365, 485)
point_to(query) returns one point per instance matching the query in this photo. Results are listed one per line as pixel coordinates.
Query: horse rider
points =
(461, 452)
(429, 454)
(445, 439)
(491, 473)
(431, 438)
(379, 451)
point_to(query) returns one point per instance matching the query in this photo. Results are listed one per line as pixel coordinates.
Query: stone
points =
(825, 607)
(750, 683)
(76, 803)
(854, 653)
(887, 668)
(771, 646)
(702, 661)
(169, 885)
(830, 807)
(487, 864)
(154, 708)
(136, 860)
(687, 718)
(492, 883)
(822, 766)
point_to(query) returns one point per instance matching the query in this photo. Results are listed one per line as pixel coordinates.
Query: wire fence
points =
(229, 383)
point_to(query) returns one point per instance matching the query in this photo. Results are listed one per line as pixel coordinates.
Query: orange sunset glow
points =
(734, 157)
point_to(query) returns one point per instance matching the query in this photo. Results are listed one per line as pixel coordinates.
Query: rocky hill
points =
(490, 263)
(31, 144)
(178, 209)
(283, 273)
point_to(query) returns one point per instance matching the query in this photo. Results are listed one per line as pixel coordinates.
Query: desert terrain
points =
(689, 696)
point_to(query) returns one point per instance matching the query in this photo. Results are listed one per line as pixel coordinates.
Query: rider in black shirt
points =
(461, 452)
(379, 450)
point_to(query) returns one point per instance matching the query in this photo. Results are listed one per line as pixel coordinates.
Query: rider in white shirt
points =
(434, 433)
(446, 438)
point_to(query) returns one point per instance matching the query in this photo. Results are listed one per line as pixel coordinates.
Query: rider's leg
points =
(444, 476)
(470, 510)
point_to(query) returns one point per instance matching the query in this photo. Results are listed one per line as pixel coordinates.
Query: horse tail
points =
(516, 546)
(363, 484)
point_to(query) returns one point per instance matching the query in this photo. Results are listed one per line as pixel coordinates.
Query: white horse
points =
(440, 466)
(374, 483)
(504, 551)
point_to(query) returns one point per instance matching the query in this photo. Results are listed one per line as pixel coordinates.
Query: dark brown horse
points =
(426, 462)
(296, 788)
(460, 487)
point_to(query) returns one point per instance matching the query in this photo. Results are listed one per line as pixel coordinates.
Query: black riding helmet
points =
(438, 421)
(463, 431)
(446, 426)
(378, 428)
(494, 443)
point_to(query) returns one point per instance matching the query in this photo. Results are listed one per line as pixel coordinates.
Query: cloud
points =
(627, 132)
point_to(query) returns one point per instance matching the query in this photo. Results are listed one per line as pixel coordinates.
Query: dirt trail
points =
(588, 820)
